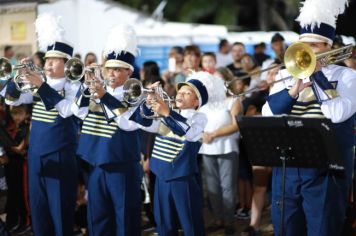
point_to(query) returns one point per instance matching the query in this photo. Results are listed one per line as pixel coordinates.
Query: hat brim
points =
(179, 85)
(56, 54)
(118, 64)
(314, 38)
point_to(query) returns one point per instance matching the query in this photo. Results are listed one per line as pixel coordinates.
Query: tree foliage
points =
(236, 14)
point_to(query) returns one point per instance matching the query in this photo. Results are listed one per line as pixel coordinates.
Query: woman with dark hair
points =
(149, 68)
(90, 58)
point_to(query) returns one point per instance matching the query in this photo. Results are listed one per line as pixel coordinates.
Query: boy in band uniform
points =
(109, 145)
(174, 158)
(52, 162)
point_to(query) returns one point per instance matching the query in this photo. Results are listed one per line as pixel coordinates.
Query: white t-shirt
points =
(222, 60)
(217, 118)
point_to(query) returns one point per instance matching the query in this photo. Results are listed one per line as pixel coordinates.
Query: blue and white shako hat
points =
(206, 86)
(121, 47)
(317, 20)
(50, 36)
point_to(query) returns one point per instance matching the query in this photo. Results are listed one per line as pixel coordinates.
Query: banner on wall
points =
(18, 30)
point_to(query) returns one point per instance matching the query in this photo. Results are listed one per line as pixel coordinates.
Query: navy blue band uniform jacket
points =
(53, 123)
(332, 96)
(177, 144)
(107, 134)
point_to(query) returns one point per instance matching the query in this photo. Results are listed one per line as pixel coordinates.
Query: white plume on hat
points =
(49, 30)
(214, 85)
(315, 12)
(122, 38)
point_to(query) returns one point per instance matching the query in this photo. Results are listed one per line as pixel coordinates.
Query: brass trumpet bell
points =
(300, 60)
(74, 69)
(133, 91)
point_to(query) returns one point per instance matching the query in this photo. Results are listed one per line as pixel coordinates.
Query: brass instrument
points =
(300, 62)
(74, 70)
(5, 69)
(21, 73)
(93, 76)
(5, 72)
(135, 94)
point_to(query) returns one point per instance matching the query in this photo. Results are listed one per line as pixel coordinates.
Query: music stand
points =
(290, 141)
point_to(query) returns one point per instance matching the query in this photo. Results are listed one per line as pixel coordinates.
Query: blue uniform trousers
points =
(315, 200)
(114, 206)
(53, 190)
(181, 197)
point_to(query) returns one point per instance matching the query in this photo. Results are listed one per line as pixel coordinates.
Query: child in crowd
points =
(17, 213)
(208, 62)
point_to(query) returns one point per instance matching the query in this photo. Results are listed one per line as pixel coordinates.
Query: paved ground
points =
(266, 228)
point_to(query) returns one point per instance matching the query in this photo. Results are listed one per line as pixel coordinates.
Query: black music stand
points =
(290, 141)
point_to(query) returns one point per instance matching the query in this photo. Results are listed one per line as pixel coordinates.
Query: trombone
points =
(300, 62)
(135, 94)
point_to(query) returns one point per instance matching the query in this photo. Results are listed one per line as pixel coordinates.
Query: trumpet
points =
(300, 61)
(93, 77)
(75, 70)
(21, 73)
(135, 94)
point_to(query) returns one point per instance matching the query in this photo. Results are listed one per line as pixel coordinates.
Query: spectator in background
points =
(237, 51)
(90, 58)
(208, 62)
(191, 62)
(38, 59)
(77, 55)
(260, 56)
(279, 47)
(351, 62)
(223, 57)
(250, 67)
(175, 69)
(3, 231)
(175, 64)
(17, 214)
(149, 68)
(9, 53)
(220, 154)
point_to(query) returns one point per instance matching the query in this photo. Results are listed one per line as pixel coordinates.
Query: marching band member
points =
(174, 157)
(316, 199)
(110, 146)
(52, 163)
